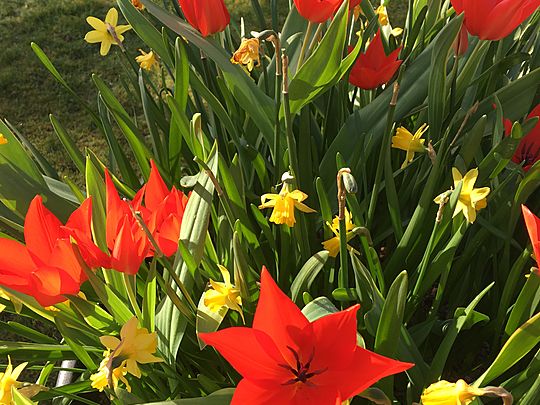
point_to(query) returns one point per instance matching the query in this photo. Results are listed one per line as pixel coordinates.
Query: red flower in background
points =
(374, 68)
(528, 150)
(317, 11)
(533, 227)
(207, 16)
(285, 359)
(47, 268)
(494, 19)
(161, 210)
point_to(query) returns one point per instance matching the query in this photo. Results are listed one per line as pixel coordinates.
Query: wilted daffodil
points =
(471, 199)
(332, 245)
(223, 295)
(247, 54)
(147, 61)
(285, 202)
(107, 32)
(410, 143)
(8, 379)
(3, 139)
(136, 345)
(459, 393)
(110, 372)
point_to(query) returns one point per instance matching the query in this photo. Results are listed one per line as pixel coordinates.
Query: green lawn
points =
(28, 93)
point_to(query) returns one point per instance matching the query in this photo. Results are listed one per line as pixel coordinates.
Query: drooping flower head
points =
(206, 16)
(48, 267)
(147, 61)
(109, 375)
(410, 143)
(470, 199)
(285, 359)
(285, 202)
(494, 19)
(223, 294)
(137, 4)
(532, 222)
(106, 32)
(247, 54)
(332, 244)
(374, 68)
(459, 393)
(8, 379)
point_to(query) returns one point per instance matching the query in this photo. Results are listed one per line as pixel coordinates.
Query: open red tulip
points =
(285, 359)
(374, 68)
(494, 19)
(533, 227)
(206, 16)
(47, 268)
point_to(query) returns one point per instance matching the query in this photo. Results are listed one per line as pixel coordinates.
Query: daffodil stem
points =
(304, 45)
(291, 142)
(128, 282)
(343, 276)
(274, 38)
(385, 144)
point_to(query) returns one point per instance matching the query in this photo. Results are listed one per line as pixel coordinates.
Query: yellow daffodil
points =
(383, 15)
(3, 139)
(136, 345)
(332, 245)
(285, 202)
(137, 4)
(105, 378)
(471, 199)
(147, 61)
(459, 393)
(8, 379)
(107, 32)
(223, 295)
(247, 54)
(410, 143)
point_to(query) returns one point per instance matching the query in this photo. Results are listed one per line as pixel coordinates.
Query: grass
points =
(28, 93)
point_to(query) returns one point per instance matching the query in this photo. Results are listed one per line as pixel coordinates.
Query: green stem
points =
(128, 282)
(385, 144)
(304, 45)
(343, 277)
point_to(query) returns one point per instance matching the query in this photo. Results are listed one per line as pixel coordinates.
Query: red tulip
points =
(494, 19)
(373, 68)
(163, 212)
(285, 359)
(533, 227)
(127, 242)
(207, 16)
(47, 268)
(461, 43)
(317, 11)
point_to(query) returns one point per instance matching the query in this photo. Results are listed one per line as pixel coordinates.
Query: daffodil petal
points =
(112, 17)
(96, 24)
(95, 36)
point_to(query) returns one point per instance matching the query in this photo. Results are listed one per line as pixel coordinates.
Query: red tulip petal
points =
(458, 6)
(533, 226)
(365, 369)
(51, 284)
(15, 258)
(81, 218)
(248, 392)
(116, 211)
(317, 11)
(167, 237)
(126, 256)
(156, 189)
(41, 229)
(277, 315)
(251, 352)
(335, 339)
(64, 257)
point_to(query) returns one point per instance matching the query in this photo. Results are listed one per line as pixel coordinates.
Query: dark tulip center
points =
(301, 372)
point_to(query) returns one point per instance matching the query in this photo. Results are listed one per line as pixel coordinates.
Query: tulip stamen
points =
(301, 372)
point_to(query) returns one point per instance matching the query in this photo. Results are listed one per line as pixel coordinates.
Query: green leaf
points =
(193, 232)
(69, 144)
(307, 274)
(522, 341)
(391, 320)
(324, 67)
(207, 320)
(221, 397)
